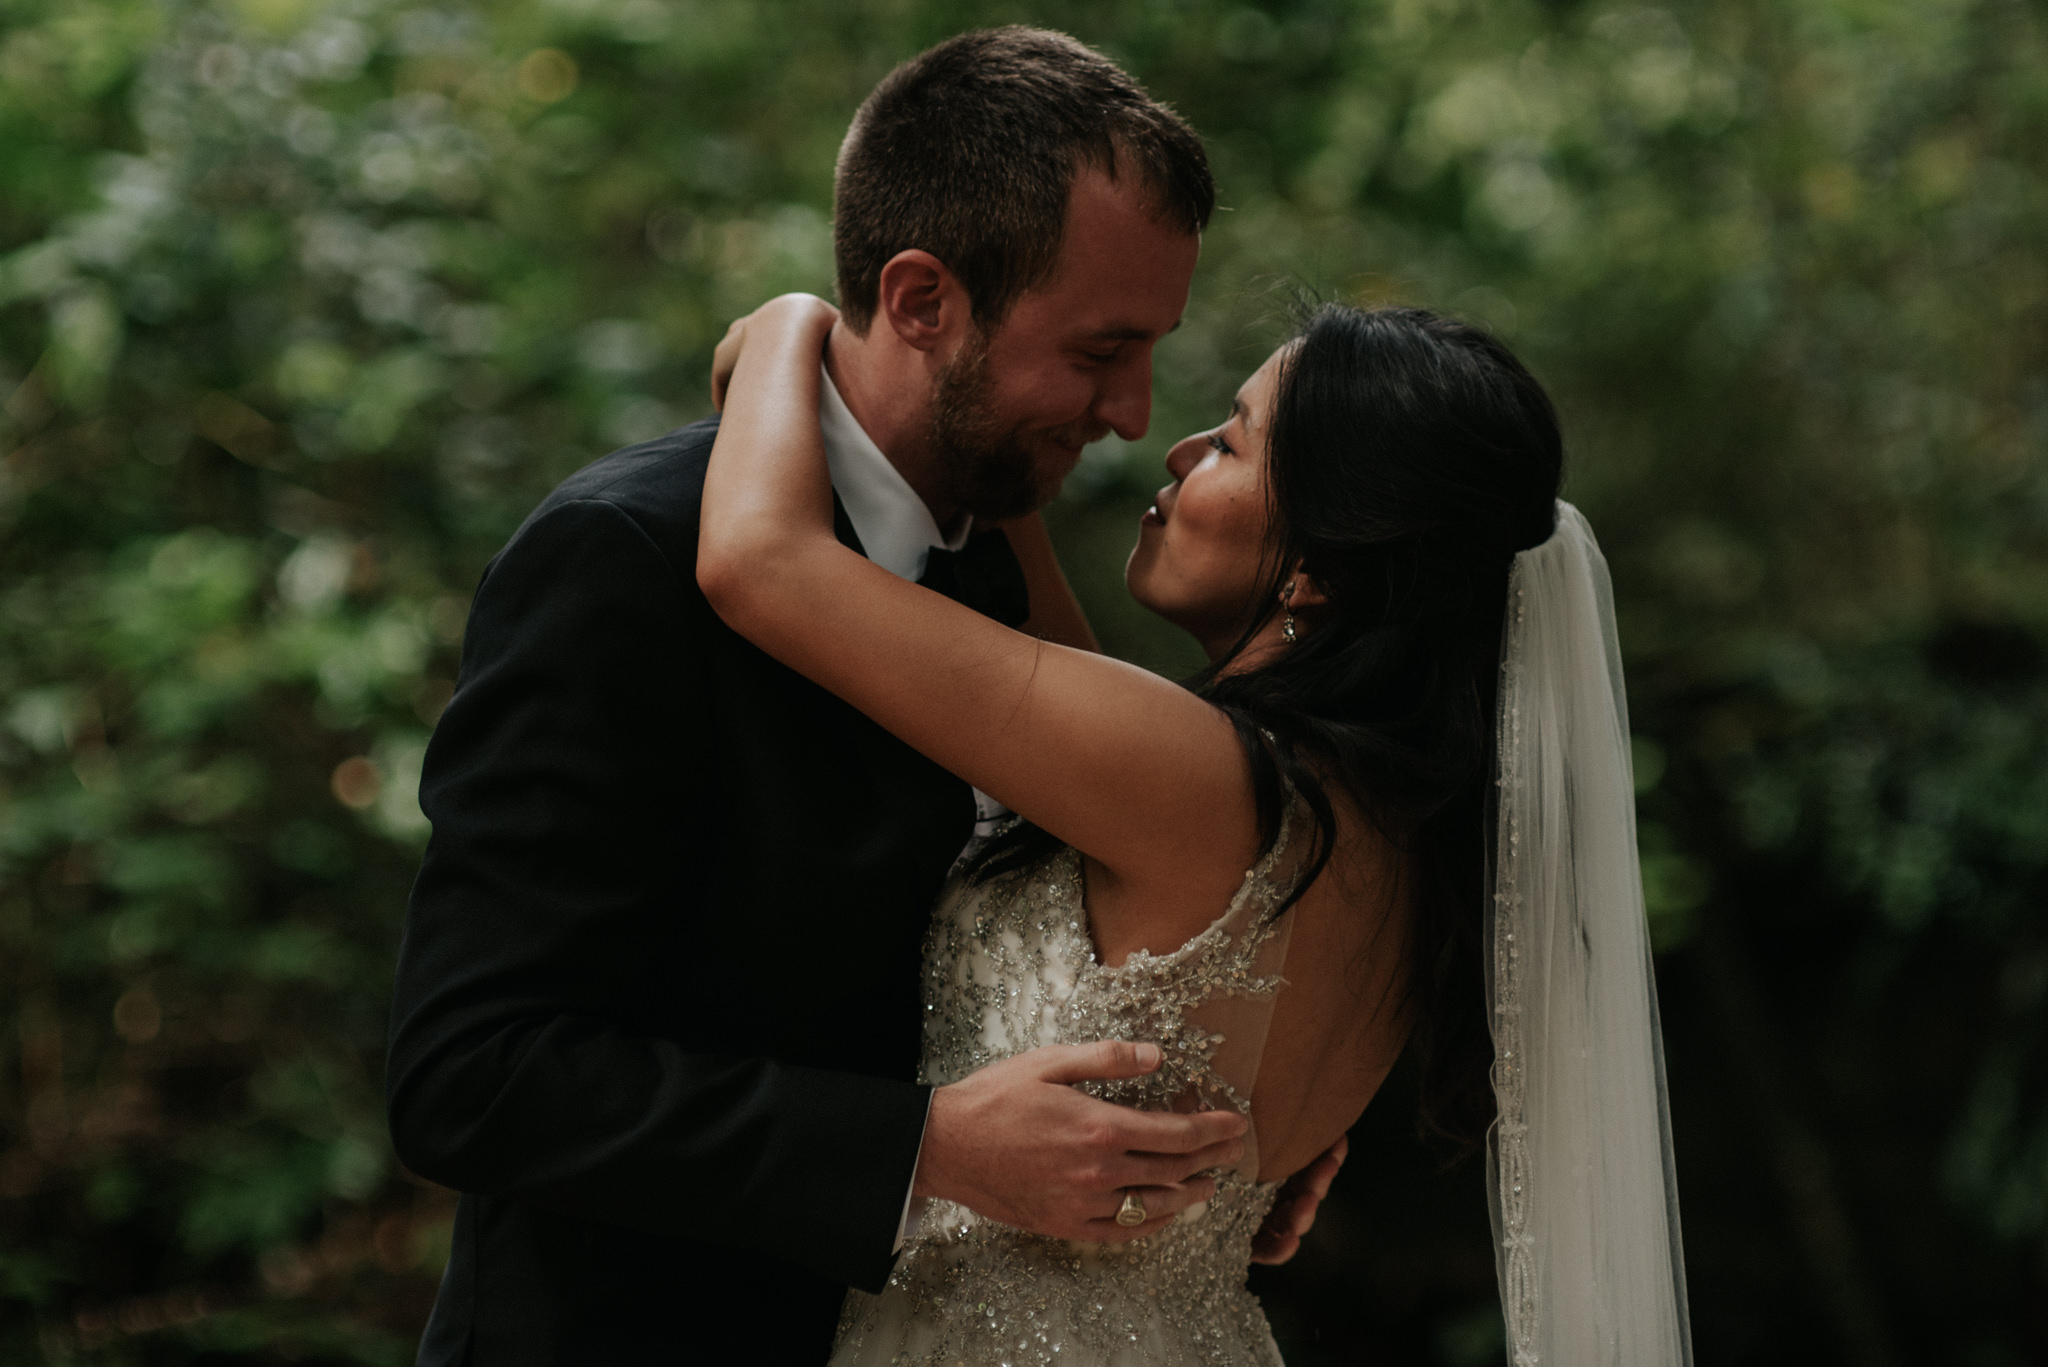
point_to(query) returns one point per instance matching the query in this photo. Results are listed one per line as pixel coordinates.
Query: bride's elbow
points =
(724, 578)
(759, 587)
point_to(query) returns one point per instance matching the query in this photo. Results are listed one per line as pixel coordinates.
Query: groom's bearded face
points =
(995, 467)
(1069, 362)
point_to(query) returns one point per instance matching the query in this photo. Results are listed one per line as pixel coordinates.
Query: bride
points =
(1393, 812)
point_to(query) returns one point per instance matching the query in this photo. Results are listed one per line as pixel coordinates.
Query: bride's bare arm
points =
(1134, 770)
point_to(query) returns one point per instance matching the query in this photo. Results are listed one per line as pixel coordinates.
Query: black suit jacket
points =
(657, 1003)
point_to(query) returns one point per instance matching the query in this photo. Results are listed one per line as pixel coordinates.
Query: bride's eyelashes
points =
(1217, 443)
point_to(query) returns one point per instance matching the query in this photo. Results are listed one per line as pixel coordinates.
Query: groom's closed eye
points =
(1093, 348)
(1103, 348)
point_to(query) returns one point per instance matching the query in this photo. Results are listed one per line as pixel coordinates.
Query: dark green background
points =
(303, 303)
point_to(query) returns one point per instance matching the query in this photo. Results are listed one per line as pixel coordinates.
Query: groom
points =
(657, 1004)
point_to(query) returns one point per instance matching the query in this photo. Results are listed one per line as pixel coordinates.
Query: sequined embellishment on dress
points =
(1008, 967)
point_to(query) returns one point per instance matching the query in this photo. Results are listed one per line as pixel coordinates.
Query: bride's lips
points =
(1161, 509)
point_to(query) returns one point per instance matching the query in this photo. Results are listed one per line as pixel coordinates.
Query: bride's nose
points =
(1186, 455)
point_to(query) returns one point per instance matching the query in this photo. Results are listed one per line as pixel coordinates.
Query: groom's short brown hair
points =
(968, 151)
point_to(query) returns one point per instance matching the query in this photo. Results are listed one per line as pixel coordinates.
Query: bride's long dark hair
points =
(1411, 457)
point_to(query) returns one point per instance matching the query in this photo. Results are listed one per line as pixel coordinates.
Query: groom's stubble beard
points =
(987, 465)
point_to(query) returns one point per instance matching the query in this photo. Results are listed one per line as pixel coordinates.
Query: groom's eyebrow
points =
(1129, 334)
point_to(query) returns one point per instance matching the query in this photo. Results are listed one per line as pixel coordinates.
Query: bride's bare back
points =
(1341, 1021)
(1345, 1014)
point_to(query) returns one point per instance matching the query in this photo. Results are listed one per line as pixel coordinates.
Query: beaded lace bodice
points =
(1009, 966)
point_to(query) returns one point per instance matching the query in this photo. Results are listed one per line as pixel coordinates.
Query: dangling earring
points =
(1287, 601)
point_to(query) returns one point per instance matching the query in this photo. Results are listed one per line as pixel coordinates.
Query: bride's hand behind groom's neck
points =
(800, 313)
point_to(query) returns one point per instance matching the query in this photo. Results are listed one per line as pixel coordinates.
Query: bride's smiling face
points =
(1201, 544)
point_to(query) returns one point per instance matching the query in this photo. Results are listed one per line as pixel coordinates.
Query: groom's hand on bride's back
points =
(1018, 1143)
(1294, 1212)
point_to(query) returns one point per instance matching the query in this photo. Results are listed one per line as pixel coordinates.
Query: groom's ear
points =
(923, 302)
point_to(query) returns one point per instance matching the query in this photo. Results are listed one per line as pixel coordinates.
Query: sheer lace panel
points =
(1010, 966)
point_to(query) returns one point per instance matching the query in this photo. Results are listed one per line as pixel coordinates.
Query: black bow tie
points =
(983, 574)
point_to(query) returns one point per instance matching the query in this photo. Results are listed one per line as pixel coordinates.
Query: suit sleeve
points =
(566, 783)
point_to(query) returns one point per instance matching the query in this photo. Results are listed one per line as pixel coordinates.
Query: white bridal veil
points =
(1584, 1196)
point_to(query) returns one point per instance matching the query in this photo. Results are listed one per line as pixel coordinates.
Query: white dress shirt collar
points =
(895, 528)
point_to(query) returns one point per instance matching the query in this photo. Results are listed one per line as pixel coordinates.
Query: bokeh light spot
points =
(356, 782)
(546, 76)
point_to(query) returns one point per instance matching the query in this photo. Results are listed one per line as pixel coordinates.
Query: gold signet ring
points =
(1131, 1213)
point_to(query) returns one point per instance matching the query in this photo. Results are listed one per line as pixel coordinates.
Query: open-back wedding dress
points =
(1583, 1184)
(1009, 966)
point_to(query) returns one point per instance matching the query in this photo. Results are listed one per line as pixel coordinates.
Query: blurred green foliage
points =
(304, 303)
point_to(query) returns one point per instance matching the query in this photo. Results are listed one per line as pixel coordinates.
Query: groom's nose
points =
(1124, 401)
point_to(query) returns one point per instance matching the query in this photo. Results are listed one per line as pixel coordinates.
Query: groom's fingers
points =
(1176, 1132)
(1110, 1059)
(1292, 1216)
(1018, 1143)
(1165, 1169)
(1104, 1060)
(724, 359)
(1161, 1203)
(1149, 1131)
